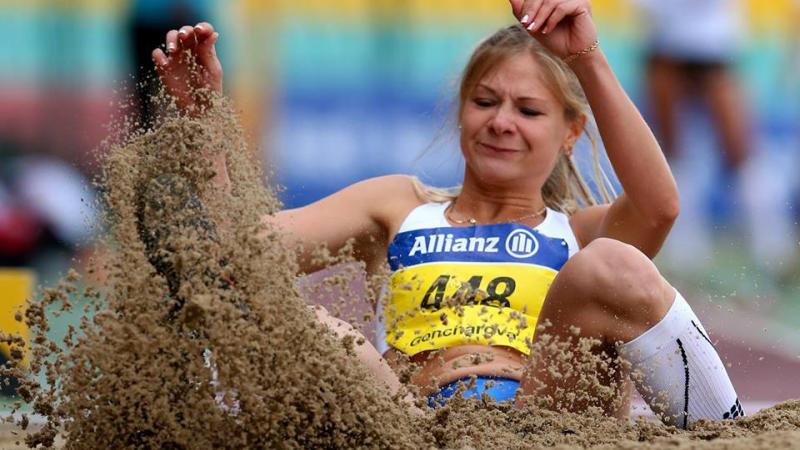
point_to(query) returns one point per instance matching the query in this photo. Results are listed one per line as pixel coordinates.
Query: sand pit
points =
(202, 340)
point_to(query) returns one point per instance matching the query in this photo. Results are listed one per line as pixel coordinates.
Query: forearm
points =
(632, 149)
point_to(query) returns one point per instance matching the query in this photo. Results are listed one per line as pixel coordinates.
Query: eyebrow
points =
(481, 85)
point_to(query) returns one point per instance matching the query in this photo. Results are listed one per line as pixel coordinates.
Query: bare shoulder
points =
(368, 211)
(389, 197)
(586, 223)
(398, 185)
(361, 206)
(368, 206)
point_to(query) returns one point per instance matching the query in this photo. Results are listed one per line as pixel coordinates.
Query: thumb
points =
(516, 7)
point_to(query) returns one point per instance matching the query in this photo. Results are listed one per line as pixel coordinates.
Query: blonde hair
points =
(565, 189)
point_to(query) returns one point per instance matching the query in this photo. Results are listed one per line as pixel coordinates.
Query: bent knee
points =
(608, 262)
(619, 277)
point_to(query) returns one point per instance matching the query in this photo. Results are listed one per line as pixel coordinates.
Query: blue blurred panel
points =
(364, 102)
(323, 144)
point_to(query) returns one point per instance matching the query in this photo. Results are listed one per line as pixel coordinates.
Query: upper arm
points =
(621, 221)
(362, 211)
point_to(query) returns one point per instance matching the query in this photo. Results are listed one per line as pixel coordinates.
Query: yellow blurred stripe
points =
(16, 286)
(773, 16)
(89, 6)
(614, 12)
(369, 10)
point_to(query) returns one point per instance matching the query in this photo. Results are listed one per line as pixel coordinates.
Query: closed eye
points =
(530, 112)
(483, 102)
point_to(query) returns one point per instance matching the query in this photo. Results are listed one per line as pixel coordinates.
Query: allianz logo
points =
(519, 243)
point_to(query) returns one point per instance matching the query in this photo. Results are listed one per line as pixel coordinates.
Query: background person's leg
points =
(730, 115)
(665, 86)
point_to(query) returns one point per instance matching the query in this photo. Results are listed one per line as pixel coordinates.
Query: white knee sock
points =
(681, 376)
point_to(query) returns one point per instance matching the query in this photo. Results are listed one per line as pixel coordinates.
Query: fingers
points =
(207, 57)
(206, 52)
(172, 42)
(186, 38)
(206, 38)
(545, 8)
(203, 30)
(556, 14)
(185, 47)
(530, 18)
(160, 59)
(545, 15)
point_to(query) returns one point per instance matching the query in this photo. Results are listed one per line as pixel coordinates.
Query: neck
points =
(491, 204)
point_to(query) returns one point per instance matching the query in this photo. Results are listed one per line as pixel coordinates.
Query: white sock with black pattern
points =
(678, 372)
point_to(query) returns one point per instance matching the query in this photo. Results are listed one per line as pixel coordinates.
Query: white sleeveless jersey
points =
(479, 284)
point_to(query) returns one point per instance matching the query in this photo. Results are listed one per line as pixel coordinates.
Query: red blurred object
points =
(20, 229)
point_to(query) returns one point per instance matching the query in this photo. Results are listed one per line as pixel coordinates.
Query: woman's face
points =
(513, 127)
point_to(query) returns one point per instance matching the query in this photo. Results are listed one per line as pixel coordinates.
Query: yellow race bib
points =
(469, 285)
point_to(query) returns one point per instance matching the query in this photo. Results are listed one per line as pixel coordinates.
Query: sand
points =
(201, 339)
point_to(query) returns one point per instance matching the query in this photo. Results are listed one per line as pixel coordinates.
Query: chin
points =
(499, 173)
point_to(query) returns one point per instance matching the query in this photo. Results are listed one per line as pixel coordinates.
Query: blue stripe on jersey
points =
(505, 242)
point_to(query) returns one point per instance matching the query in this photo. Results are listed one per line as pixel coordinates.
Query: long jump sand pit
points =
(775, 428)
(201, 339)
(12, 438)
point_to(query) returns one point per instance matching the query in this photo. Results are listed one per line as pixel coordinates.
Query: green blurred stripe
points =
(53, 47)
(339, 55)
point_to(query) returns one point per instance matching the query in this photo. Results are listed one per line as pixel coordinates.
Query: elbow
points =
(667, 212)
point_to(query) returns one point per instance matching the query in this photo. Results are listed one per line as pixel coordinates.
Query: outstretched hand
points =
(190, 64)
(565, 27)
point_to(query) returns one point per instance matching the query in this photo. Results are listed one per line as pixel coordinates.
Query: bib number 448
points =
(495, 294)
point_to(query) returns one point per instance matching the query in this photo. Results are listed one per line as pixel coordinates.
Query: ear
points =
(574, 131)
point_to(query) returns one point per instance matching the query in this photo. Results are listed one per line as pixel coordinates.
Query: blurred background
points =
(360, 88)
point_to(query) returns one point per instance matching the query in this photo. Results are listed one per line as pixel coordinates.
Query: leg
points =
(729, 114)
(364, 350)
(665, 85)
(614, 294)
(610, 292)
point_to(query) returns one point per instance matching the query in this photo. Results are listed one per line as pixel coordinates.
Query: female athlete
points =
(523, 241)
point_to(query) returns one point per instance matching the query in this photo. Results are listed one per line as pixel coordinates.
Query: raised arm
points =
(361, 212)
(644, 214)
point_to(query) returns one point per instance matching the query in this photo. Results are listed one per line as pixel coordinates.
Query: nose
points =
(501, 122)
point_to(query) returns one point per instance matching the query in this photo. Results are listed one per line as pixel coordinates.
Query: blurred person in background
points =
(690, 52)
(692, 46)
(46, 218)
(46, 212)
